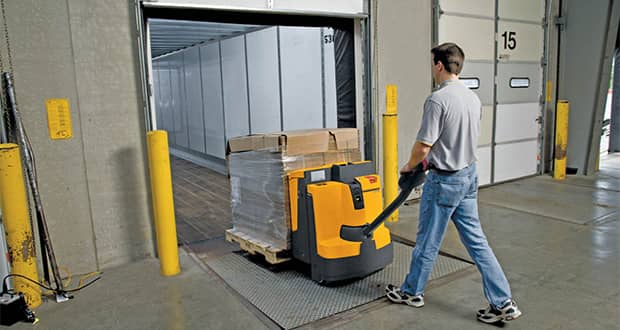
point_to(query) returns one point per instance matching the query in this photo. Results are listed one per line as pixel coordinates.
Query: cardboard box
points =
(299, 142)
(258, 165)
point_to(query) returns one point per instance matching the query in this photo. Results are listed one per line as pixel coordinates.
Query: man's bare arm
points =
(418, 153)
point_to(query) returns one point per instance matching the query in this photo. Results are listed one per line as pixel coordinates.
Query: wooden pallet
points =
(254, 246)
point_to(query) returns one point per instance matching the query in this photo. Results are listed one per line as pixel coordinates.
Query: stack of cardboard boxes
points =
(258, 167)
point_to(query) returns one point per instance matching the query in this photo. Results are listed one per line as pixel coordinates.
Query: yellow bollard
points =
(390, 149)
(561, 140)
(163, 203)
(16, 218)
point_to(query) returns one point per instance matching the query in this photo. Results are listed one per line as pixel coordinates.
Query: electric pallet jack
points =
(337, 221)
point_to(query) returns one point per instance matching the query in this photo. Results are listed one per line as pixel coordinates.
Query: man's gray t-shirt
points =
(451, 125)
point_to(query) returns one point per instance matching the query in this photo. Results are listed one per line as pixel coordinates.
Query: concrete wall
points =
(585, 64)
(402, 43)
(94, 186)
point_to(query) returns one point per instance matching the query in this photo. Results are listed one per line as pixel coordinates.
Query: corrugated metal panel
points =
(172, 35)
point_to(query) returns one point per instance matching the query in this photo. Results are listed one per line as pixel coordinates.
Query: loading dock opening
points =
(213, 74)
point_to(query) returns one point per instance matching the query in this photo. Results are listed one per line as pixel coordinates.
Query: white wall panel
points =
(157, 96)
(525, 44)
(235, 87)
(484, 165)
(263, 78)
(193, 99)
(178, 101)
(167, 123)
(471, 7)
(202, 96)
(300, 56)
(515, 160)
(516, 121)
(329, 78)
(529, 10)
(474, 36)
(212, 98)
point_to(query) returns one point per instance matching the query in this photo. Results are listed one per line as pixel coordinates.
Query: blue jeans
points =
(454, 196)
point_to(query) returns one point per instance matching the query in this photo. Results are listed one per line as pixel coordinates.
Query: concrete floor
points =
(560, 251)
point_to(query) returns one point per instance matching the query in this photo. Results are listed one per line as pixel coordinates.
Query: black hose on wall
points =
(614, 135)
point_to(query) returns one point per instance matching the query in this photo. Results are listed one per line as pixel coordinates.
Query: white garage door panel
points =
(235, 87)
(470, 7)
(528, 10)
(515, 160)
(263, 78)
(519, 41)
(212, 93)
(302, 95)
(484, 165)
(516, 122)
(522, 72)
(193, 99)
(484, 73)
(475, 36)
(512, 38)
(486, 125)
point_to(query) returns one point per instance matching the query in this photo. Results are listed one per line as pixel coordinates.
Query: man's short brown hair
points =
(451, 55)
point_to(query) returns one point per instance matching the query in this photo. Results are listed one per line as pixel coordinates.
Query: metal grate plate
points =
(283, 295)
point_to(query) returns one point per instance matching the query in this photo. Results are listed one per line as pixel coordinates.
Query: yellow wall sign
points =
(59, 119)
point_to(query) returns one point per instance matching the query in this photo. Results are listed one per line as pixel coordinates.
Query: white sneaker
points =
(395, 295)
(509, 312)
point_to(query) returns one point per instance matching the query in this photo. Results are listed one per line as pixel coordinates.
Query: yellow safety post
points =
(390, 149)
(163, 203)
(16, 218)
(561, 140)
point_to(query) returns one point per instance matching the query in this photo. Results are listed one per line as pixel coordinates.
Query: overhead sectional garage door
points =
(519, 88)
(503, 45)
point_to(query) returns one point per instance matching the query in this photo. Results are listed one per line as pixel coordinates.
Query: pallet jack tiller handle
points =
(407, 182)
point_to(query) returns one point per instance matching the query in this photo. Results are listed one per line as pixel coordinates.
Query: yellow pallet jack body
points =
(322, 200)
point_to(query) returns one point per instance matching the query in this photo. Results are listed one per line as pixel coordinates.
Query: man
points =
(447, 140)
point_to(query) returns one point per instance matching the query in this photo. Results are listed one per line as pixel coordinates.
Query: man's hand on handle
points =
(408, 168)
